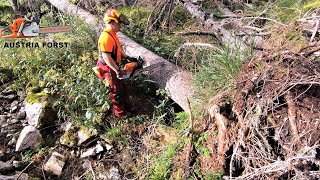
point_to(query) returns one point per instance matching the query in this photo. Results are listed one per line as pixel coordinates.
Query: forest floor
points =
(266, 127)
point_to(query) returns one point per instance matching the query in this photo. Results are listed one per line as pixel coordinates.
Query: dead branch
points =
(265, 18)
(92, 171)
(15, 5)
(310, 45)
(224, 35)
(187, 151)
(24, 169)
(315, 31)
(311, 52)
(254, 34)
(221, 122)
(292, 113)
(200, 33)
(188, 44)
(235, 150)
(253, 28)
(278, 166)
(191, 118)
(160, 16)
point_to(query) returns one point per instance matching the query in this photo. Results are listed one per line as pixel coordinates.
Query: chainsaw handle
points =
(4, 29)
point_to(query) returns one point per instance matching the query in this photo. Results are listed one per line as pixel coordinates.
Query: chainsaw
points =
(129, 67)
(23, 28)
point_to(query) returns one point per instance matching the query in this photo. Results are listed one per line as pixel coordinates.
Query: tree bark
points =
(225, 36)
(175, 80)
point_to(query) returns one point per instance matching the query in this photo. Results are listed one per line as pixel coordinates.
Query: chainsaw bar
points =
(54, 29)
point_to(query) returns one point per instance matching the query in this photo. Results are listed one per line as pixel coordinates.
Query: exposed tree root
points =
(271, 130)
(292, 113)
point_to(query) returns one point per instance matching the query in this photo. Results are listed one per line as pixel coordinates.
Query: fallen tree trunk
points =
(225, 36)
(165, 74)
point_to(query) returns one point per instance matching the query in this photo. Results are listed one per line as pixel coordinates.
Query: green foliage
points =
(180, 17)
(117, 135)
(138, 20)
(312, 5)
(138, 119)
(201, 143)
(142, 83)
(182, 116)
(63, 73)
(288, 10)
(181, 122)
(161, 167)
(213, 176)
(164, 110)
(29, 155)
(6, 12)
(5, 75)
(207, 6)
(218, 71)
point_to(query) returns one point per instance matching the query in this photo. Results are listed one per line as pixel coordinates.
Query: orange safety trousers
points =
(118, 92)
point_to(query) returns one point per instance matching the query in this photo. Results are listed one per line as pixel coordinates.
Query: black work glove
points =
(131, 59)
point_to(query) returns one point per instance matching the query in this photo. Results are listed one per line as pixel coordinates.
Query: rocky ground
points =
(54, 153)
(34, 143)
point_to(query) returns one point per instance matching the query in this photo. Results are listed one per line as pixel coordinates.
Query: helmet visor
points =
(123, 19)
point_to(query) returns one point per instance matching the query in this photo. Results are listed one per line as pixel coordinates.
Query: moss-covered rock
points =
(69, 138)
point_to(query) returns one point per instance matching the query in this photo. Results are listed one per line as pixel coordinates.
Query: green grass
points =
(161, 167)
(288, 11)
(218, 71)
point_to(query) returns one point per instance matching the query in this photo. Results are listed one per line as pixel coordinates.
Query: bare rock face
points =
(55, 164)
(114, 174)
(4, 166)
(29, 137)
(92, 151)
(85, 133)
(19, 176)
(40, 114)
(34, 113)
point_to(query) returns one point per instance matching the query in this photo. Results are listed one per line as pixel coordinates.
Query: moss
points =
(69, 137)
(100, 116)
(36, 97)
(88, 131)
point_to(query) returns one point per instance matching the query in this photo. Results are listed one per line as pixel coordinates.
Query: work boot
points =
(131, 110)
(125, 116)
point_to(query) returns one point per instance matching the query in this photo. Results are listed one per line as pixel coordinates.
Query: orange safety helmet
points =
(115, 15)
